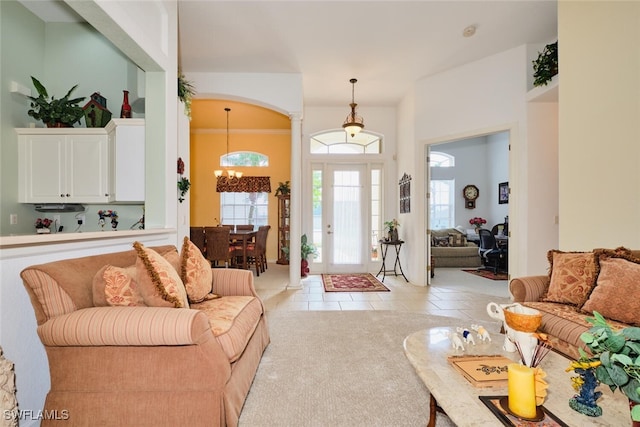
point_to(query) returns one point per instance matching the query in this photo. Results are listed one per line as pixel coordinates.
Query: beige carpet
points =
(340, 368)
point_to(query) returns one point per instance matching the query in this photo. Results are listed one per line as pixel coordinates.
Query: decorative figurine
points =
(467, 336)
(483, 334)
(456, 342)
(585, 384)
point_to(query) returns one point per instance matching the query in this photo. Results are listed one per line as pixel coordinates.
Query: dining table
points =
(244, 236)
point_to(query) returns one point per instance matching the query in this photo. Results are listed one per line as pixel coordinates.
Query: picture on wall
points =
(405, 194)
(503, 193)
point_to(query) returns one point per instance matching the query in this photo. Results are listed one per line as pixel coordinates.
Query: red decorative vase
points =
(304, 268)
(125, 111)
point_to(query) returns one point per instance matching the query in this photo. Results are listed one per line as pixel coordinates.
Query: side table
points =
(384, 247)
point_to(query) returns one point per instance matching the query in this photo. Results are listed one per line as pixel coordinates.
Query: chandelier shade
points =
(353, 123)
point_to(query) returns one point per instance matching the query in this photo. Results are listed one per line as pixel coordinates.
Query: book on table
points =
(482, 371)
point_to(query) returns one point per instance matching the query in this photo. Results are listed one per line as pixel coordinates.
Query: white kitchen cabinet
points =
(81, 165)
(126, 137)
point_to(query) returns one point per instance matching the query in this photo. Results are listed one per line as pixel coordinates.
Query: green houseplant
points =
(185, 93)
(306, 250)
(546, 66)
(619, 354)
(283, 189)
(63, 112)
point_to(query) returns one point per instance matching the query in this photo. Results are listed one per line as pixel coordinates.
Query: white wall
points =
(599, 109)
(151, 51)
(478, 98)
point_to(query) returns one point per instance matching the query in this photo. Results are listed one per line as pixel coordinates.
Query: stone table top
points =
(428, 349)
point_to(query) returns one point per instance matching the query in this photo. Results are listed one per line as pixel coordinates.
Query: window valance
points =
(246, 184)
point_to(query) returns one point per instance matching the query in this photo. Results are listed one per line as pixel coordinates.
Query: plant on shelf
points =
(185, 93)
(306, 250)
(63, 112)
(618, 351)
(392, 229)
(183, 182)
(546, 66)
(283, 189)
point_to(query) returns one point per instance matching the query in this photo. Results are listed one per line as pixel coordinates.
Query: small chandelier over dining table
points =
(232, 175)
(353, 123)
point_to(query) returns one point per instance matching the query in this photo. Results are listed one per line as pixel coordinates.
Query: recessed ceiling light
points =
(469, 31)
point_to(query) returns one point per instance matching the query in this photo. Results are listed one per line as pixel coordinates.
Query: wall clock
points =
(470, 194)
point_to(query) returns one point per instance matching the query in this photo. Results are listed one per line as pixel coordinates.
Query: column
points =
(295, 220)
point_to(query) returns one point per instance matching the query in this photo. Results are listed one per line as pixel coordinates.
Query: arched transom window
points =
(244, 158)
(338, 142)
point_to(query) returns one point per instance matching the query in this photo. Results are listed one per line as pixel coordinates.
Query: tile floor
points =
(452, 293)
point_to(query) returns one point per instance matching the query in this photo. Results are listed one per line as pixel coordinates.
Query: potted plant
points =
(477, 222)
(63, 112)
(42, 225)
(185, 93)
(618, 351)
(307, 249)
(283, 189)
(392, 229)
(546, 66)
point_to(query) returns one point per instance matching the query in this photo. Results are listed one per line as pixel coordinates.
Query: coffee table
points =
(427, 350)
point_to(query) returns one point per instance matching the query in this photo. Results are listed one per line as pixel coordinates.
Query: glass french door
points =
(343, 226)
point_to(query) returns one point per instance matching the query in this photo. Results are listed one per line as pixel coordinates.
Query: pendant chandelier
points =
(231, 175)
(354, 123)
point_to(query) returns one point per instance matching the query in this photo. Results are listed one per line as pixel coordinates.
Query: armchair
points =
(493, 257)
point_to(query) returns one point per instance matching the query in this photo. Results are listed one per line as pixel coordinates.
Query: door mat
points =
(358, 282)
(488, 274)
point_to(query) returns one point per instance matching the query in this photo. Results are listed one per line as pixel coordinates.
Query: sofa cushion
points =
(457, 240)
(195, 272)
(440, 242)
(572, 277)
(233, 320)
(159, 281)
(116, 286)
(617, 292)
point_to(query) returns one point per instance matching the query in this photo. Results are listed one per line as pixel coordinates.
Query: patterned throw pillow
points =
(572, 277)
(195, 272)
(115, 286)
(457, 240)
(617, 292)
(159, 282)
(441, 241)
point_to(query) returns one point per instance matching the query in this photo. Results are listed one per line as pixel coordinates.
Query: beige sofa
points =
(464, 254)
(565, 309)
(155, 366)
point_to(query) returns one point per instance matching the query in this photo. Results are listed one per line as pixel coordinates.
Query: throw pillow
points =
(115, 286)
(572, 277)
(617, 292)
(457, 240)
(195, 273)
(159, 282)
(442, 241)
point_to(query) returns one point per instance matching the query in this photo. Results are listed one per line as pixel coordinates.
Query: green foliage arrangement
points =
(546, 66)
(306, 249)
(619, 354)
(185, 93)
(53, 111)
(283, 189)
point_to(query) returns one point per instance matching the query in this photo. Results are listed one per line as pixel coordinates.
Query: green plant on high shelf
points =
(63, 112)
(284, 189)
(185, 93)
(618, 351)
(546, 65)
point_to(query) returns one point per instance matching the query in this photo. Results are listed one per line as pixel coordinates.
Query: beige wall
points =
(599, 124)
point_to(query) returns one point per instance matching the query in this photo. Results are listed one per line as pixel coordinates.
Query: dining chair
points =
(197, 237)
(245, 227)
(217, 245)
(492, 256)
(256, 250)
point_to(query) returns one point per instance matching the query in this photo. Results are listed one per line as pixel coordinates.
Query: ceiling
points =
(387, 45)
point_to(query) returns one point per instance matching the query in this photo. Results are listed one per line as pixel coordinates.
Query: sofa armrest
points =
(127, 326)
(528, 289)
(231, 281)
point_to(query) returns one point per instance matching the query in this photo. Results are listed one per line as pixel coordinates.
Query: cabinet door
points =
(42, 161)
(87, 171)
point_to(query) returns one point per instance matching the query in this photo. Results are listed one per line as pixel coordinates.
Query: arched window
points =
(438, 159)
(244, 158)
(338, 142)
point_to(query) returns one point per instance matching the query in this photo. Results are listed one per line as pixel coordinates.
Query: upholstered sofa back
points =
(60, 287)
